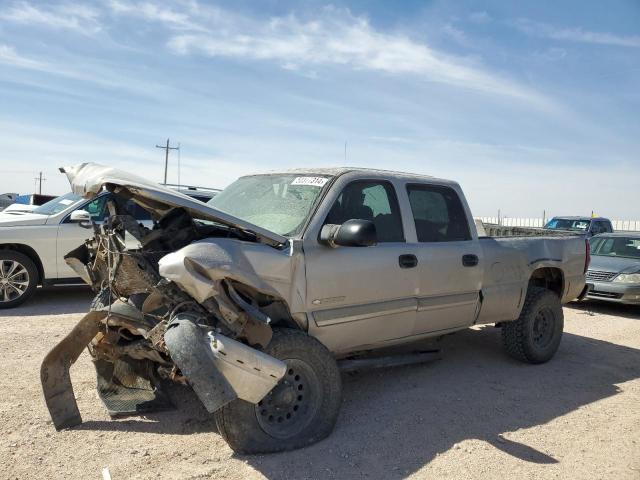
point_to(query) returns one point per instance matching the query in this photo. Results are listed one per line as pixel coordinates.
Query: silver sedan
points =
(614, 272)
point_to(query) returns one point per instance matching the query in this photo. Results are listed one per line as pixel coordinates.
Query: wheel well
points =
(550, 278)
(29, 252)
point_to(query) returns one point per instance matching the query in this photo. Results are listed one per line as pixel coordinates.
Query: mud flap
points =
(54, 372)
(218, 368)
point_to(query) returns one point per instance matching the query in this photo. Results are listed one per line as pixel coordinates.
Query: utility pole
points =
(39, 179)
(166, 157)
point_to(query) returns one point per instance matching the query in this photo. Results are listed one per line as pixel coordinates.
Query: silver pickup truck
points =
(255, 299)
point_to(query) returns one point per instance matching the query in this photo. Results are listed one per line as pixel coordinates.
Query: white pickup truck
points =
(254, 298)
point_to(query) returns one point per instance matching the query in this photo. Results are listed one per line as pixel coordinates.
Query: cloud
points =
(544, 30)
(479, 17)
(70, 16)
(8, 55)
(338, 38)
(153, 12)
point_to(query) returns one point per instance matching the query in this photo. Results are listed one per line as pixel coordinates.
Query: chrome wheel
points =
(14, 280)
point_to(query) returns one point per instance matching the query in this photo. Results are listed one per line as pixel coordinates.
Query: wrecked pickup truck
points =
(252, 298)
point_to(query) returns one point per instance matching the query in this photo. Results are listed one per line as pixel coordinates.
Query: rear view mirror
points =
(81, 217)
(352, 233)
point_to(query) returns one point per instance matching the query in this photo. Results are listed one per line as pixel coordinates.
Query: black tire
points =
(19, 278)
(535, 336)
(286, 422)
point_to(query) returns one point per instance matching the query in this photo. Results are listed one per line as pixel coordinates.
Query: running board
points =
(353, 364)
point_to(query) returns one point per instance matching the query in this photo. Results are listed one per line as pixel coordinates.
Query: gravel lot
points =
(473, 414)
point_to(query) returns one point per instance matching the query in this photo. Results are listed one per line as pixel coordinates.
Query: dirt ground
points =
(474, 414)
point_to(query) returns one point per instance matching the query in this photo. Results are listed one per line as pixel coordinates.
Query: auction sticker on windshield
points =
(313, 181)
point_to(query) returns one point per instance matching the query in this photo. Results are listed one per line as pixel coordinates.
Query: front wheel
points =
(302, 409)
(18, 278)
(535, 336)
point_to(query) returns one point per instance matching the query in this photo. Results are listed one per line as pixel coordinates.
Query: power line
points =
(166, 157)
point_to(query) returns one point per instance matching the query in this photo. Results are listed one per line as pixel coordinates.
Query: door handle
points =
(407, 261)
(469, 260)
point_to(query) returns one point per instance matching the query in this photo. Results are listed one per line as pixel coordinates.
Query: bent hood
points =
(604, 263)
(88, 179)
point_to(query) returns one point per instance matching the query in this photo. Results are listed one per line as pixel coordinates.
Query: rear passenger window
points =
(438, 214)
(373, 201)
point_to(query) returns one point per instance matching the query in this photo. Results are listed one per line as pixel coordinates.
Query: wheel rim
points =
(543, 327)
(292, 404)
(14, 280)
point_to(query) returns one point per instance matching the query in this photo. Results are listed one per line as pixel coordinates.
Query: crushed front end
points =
(179, 302)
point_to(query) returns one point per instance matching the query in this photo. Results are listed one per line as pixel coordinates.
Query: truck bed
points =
(493, 230)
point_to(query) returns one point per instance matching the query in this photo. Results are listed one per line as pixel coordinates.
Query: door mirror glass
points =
(352, 233)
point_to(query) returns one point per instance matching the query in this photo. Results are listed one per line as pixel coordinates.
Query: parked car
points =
(252, 298)
(7, 199)
(33, 243)
(587, 226)
(614, 273)
(204, 194)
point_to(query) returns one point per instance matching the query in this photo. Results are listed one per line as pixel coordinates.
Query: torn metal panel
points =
(218, 368)
(54, 372)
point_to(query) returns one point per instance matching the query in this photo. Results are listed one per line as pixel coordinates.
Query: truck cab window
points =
(438, 214)
(373, 201)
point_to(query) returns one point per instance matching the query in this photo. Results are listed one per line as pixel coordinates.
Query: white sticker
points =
(66, 201)
(312, 181)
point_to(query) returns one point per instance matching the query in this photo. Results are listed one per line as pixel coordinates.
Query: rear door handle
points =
(469, 260)
(407, 261)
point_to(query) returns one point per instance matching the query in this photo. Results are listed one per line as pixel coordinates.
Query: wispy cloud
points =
(69, 16)
(338, 38)
(8, 55)
(545, 30)
(156, 13)
(479, 17)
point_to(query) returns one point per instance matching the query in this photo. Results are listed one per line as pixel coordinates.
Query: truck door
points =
(362, 296)
(449, 259)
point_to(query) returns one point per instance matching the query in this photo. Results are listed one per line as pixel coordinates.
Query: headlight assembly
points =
(627, 278)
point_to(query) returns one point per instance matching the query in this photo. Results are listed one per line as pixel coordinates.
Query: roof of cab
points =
(577, 217)
(337, 171)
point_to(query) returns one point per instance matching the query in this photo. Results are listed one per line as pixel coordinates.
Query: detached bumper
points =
(218, 368)
(614, 292)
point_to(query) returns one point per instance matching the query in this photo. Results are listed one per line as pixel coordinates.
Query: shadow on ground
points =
(55, 301)
(395, 421)
(606, 308)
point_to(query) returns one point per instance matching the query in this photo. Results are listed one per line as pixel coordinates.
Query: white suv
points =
(33, 244)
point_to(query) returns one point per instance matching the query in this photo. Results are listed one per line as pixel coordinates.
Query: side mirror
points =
(81, 217)
(352, 233)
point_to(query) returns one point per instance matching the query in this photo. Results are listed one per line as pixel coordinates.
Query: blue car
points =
(587, 226)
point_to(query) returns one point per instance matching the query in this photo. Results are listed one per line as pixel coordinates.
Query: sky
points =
(530, 106)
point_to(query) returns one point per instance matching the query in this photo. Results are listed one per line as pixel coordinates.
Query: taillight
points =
(587, 257)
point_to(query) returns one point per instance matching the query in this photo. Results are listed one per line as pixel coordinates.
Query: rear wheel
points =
(18, 278)
(535, 336)
(303, 407)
